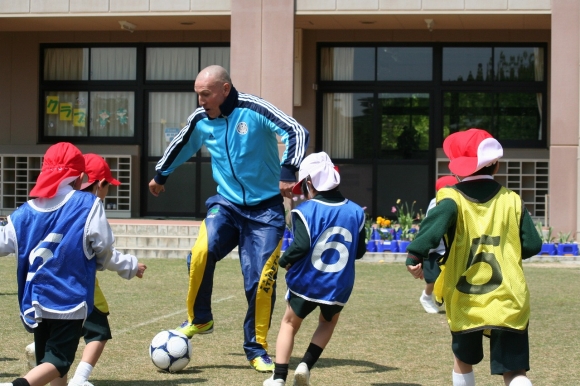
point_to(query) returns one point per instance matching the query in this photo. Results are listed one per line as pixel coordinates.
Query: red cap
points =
(62, 161)
(97, 169)
(445, 181)
(471, 150)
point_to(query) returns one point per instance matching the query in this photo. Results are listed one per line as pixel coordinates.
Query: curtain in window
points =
(337, 64)
(215, 55)
(539, 76)
(168, 112)
(114, 63)
(177, 63)
(66, 64)
(337, 137)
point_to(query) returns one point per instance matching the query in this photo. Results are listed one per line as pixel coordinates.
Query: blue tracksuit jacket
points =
(243, 147)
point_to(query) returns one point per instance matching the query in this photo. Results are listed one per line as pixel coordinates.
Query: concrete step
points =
(146, 238)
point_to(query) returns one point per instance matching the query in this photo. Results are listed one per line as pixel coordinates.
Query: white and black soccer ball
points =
(170, 350)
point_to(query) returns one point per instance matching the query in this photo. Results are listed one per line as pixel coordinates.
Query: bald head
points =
(212, 85)
(214, 73)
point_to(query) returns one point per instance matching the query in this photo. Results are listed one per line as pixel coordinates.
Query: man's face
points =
(211, 94)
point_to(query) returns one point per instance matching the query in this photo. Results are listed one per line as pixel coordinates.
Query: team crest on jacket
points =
(242, 128)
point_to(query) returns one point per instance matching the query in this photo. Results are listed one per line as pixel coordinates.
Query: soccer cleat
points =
(274, 382)
(85, 383)
(429, 304)
(191, 329)
(263, 364)
(30, 356)
(302, 375)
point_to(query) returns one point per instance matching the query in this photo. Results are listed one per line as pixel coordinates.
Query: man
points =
(239, 130)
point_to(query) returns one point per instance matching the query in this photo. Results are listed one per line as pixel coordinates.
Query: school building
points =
(378, 83)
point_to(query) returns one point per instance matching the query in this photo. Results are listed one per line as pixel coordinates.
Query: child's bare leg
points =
(324, 331)
(93, 351)
(43, 374)
(59, 381)
(91, 355)
(429, 288)
(516, 378)
(285, 342)
(462, 373)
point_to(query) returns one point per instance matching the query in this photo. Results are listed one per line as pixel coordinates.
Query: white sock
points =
(83, 372)
(425, 296)
(521, 380)
(464, 379)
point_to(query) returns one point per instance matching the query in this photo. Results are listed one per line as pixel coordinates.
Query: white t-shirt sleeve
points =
(7, 239)
(99, 236)
(124, 264)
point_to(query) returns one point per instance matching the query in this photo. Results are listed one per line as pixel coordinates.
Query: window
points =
(405, 63)
(486, 64)
(97, 92)
(72, 105)
(348, 63)
(385, 109)
(467, 64)
(347, 125)
(404, 125)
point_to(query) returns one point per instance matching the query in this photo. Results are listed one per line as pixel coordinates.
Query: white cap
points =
(321, 170)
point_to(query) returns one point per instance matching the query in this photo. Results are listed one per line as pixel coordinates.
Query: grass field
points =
(384, 338)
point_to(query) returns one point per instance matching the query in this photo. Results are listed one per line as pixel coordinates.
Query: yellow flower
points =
(398, 201)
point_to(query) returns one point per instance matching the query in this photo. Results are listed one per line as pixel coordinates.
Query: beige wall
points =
(5, 87)
(104, 6)
(262, 40)
(421, 5)
(221, 6)
(564, 118)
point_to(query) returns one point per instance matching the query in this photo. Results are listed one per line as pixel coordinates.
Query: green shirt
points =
(442, 218)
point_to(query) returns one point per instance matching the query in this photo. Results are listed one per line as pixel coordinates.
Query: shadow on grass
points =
(9, 375)
(8, 293)
(140, 382)
(323, 362)
(395, 384)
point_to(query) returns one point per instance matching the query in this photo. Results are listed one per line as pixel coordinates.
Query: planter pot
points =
(380, 246)
(567, 249)
(403, 245)
(549, 249)
(394, 246)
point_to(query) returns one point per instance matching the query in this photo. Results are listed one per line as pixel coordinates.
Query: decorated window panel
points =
(66, 113)
(112, 114)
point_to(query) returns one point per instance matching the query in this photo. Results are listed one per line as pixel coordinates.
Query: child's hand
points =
(416, 270)
(287, 267)
(140, 270)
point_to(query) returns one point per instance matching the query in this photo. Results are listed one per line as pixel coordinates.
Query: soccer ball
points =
(170, 350)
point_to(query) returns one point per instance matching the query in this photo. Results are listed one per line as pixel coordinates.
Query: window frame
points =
(140, 88)
(437, 87)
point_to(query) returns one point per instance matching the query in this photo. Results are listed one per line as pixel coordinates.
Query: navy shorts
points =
(302, 307)
(96, 327)
(56, 342)
(509, 350)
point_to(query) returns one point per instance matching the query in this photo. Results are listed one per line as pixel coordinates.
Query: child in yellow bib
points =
(487, 233)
